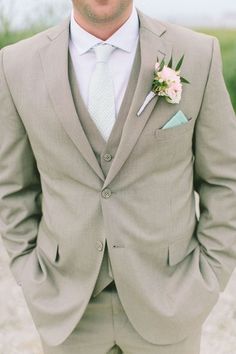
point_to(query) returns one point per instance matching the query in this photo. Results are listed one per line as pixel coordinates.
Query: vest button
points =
(107, 157)
(106, 193)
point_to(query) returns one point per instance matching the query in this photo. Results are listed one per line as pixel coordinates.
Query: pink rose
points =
(167, 82)
(174, 93)
(168, 75)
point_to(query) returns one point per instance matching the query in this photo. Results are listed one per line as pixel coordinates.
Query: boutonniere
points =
(167, 83)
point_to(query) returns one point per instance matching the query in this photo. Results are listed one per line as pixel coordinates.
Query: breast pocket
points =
(176, 132)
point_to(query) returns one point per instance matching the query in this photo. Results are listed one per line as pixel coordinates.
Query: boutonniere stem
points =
(167, 83)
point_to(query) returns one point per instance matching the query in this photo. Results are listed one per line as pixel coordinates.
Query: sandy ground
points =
(19, 336)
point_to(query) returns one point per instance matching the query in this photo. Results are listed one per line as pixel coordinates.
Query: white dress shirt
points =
(120, 62)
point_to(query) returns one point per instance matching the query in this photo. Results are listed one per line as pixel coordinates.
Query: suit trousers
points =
(105, 329)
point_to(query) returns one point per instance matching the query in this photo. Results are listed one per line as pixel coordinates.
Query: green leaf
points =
(185, 81)
(178, 66)
(162, 64)
(170, 64)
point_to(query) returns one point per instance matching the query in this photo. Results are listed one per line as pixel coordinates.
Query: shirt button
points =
(107, 157)
(99, 245)
(106, 193)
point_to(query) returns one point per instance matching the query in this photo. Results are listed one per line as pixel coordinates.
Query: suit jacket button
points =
(106, 193)
(107, 157)
(99, 245)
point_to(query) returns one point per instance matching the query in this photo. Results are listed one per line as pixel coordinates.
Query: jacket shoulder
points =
(27, 47)
(19, 57)
(186, 39)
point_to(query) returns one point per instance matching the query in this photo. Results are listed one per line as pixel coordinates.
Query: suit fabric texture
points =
(100, 146)
(105, 328)
(59, 206)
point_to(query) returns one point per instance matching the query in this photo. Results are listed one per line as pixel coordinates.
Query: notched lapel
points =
(152, 46)
(54, 57)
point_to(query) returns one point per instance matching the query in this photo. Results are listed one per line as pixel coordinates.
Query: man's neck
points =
(102, 31)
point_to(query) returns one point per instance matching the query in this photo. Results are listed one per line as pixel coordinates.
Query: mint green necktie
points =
(101, 102)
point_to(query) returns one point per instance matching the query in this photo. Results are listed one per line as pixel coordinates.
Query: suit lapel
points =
(54, 57)
(152, 45)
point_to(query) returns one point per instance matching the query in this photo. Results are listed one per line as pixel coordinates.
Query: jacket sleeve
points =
(215, 172)
(20, 188)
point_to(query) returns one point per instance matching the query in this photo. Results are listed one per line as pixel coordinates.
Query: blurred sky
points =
(166, 10)
(185, 7)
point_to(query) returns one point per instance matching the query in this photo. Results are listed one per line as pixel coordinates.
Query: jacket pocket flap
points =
(180, 249)
(48, 245)
(174, 132)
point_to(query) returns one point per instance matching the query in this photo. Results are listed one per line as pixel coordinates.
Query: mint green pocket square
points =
(178, 119)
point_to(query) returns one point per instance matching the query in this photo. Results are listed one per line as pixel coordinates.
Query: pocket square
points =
(178, 119)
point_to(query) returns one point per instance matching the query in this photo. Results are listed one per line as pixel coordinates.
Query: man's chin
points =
(103, 15)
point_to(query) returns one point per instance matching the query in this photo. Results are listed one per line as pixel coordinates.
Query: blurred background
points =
(22, 18)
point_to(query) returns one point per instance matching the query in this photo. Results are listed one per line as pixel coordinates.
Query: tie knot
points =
(103, 51)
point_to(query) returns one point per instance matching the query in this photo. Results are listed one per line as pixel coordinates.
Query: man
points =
(97, 181)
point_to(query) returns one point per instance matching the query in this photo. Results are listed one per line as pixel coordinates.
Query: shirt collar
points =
(124, 38)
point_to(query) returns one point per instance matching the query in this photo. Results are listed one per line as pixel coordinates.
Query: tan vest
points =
(104, 151)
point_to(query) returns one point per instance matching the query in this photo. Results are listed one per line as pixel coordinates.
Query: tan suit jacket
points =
(57, 208)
